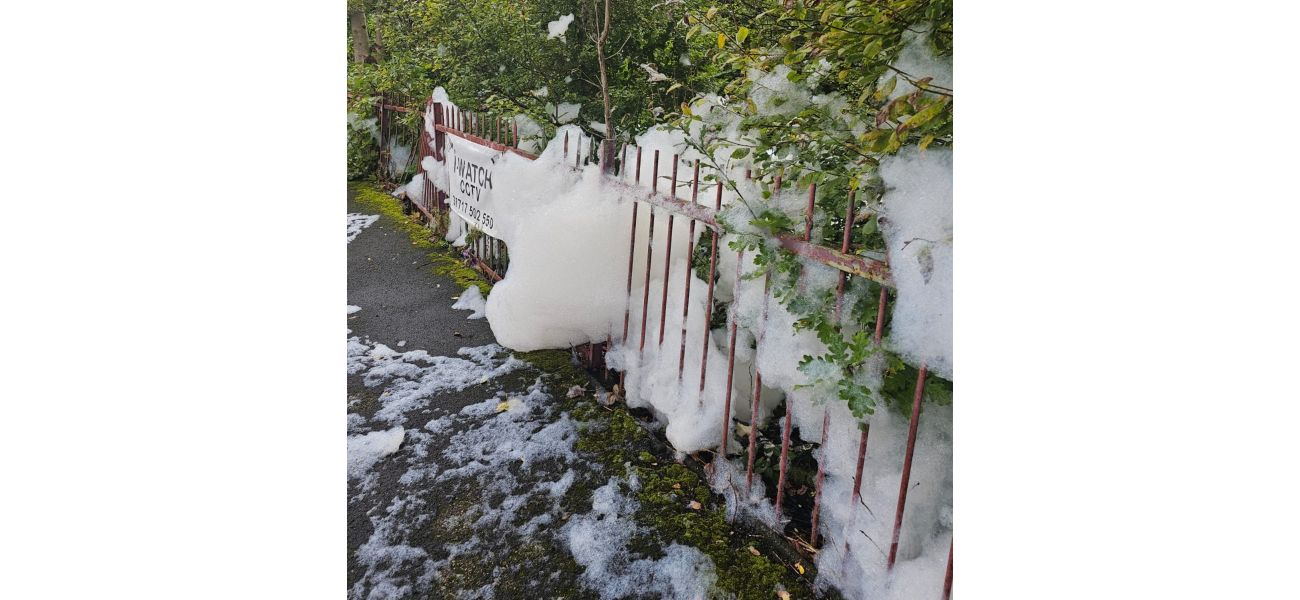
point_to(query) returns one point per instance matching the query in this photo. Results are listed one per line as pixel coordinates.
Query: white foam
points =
(918, 227)
(599, 542)
(558, 27)
(365, 450)
(472, 300)
(412, 377)
(358, 222)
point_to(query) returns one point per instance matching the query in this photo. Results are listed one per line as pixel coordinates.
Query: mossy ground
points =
(750, 563)
(442, 256)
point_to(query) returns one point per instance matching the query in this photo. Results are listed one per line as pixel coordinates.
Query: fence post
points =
(439, 138)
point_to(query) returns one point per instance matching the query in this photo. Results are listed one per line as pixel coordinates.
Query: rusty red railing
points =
(485, 253)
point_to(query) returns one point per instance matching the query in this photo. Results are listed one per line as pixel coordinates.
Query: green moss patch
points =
(442, 256)
(612, 437)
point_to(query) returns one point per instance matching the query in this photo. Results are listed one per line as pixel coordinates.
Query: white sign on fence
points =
(471, 168)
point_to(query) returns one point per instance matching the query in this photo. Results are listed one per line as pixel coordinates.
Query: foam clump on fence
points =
(563, 232)
(918, 228)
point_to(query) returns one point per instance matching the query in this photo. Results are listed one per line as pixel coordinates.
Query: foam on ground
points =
(599, 541)
(412, 377)
(358, 222)
(365, 450)
(472, 300)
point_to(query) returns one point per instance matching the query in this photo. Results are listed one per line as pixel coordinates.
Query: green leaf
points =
(740, 153)
(886, 89)
(873, 48)
(925, 114)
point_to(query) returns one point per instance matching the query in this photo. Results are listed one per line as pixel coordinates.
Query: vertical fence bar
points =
(649, 255)
(758, 381)
(866, 427)
(862, 455)
(785, 458)
(947, 576)
(880, 313)
(758, 385)
(627, 307)
(631, 255)
(753, 427)
(808, 214)
(668, 260)
(821, 478)
(826, 415)
(439, 138)
(383, 137)
(690, 256)
(844, 247)
(708, 300)
(731, 370)
(907, 465)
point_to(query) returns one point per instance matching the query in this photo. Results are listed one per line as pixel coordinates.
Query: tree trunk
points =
(608, 147)
(360, 37)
